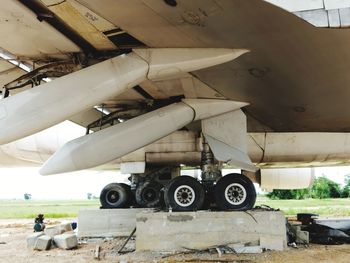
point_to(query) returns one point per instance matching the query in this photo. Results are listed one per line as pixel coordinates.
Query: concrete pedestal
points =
(199, 230)
(107, 222)
(176, 231)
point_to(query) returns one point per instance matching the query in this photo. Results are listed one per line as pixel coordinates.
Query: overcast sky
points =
(15, 182)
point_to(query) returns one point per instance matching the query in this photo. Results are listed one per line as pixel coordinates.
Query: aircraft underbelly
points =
(295, 76)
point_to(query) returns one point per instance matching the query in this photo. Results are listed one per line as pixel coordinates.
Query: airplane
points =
(164, 85)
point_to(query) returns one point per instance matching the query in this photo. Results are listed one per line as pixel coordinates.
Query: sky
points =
(15, 182)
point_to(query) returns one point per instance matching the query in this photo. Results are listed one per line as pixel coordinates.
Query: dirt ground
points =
(13, 248)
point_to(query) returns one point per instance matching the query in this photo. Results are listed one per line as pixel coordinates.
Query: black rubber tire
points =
(242, 182)
(149, 195)
(189, 183)
(115, 195)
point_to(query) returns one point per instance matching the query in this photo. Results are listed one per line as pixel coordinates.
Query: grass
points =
(324, 207)
(11, 209)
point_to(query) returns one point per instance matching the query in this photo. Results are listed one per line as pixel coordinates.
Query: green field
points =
(325, 207)
(10, 209)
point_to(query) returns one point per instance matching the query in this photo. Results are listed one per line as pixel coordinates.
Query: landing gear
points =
(235, 192)
(184, 193)
(116, 195)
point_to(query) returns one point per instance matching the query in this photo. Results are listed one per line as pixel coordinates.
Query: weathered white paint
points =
(27, 36)
(227, 137)
(336, 4)
(291, 178)
(172, 62)
(43, 106)
(133, 167)
(318, 18)
(320, 13)
(298, 5)
(116, 141)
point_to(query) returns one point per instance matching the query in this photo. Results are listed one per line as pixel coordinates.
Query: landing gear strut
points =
(165, 186)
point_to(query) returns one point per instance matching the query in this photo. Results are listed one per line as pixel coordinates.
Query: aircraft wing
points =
(294, 77)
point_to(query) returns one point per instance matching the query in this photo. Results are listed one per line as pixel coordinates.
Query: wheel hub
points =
(184, 195)
(235, 194)
(149, 195)
(112, 197)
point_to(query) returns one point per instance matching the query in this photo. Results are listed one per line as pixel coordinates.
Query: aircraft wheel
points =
(115, 195)
(149, 194)
(184, 193)
(235, 192)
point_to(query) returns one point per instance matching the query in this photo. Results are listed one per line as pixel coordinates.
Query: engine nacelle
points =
(287, 178)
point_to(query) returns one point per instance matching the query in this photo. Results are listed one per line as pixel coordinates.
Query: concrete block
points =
(107, 222)
(199, 230)
(273, 242)
(302, 237)
(66, 227)
(53, 231)
(43, 243)
(58, 229)
(31, 239)
(248, 250)
(66, 241)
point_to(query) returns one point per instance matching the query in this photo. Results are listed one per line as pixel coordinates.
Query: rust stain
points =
(179, 218)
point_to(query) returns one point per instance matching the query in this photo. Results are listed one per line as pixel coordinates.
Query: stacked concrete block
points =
(66, 241)
(107, 222)
(57, 230)
(31, 239)
(43, 243)
(62, 235)
(302, 237)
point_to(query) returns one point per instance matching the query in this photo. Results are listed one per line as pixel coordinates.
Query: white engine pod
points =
(48, 104)
(116, 141)
(287, 178)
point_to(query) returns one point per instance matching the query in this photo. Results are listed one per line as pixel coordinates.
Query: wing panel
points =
(26, 36)
(295, 77)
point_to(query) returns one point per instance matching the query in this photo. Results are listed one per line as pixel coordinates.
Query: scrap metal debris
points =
(312, 231)
(126, 241)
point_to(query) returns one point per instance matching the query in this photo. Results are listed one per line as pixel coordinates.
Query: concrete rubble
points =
(66, 241)
(60, 236)
(31, 239)
(43, 243)
(57, 230)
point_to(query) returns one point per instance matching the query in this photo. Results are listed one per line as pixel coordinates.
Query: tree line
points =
(322, 188)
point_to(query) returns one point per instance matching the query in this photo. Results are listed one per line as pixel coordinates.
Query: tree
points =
(27, 196)
(346, 189)
(322, 188)
(325, 188)
(289, 194)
